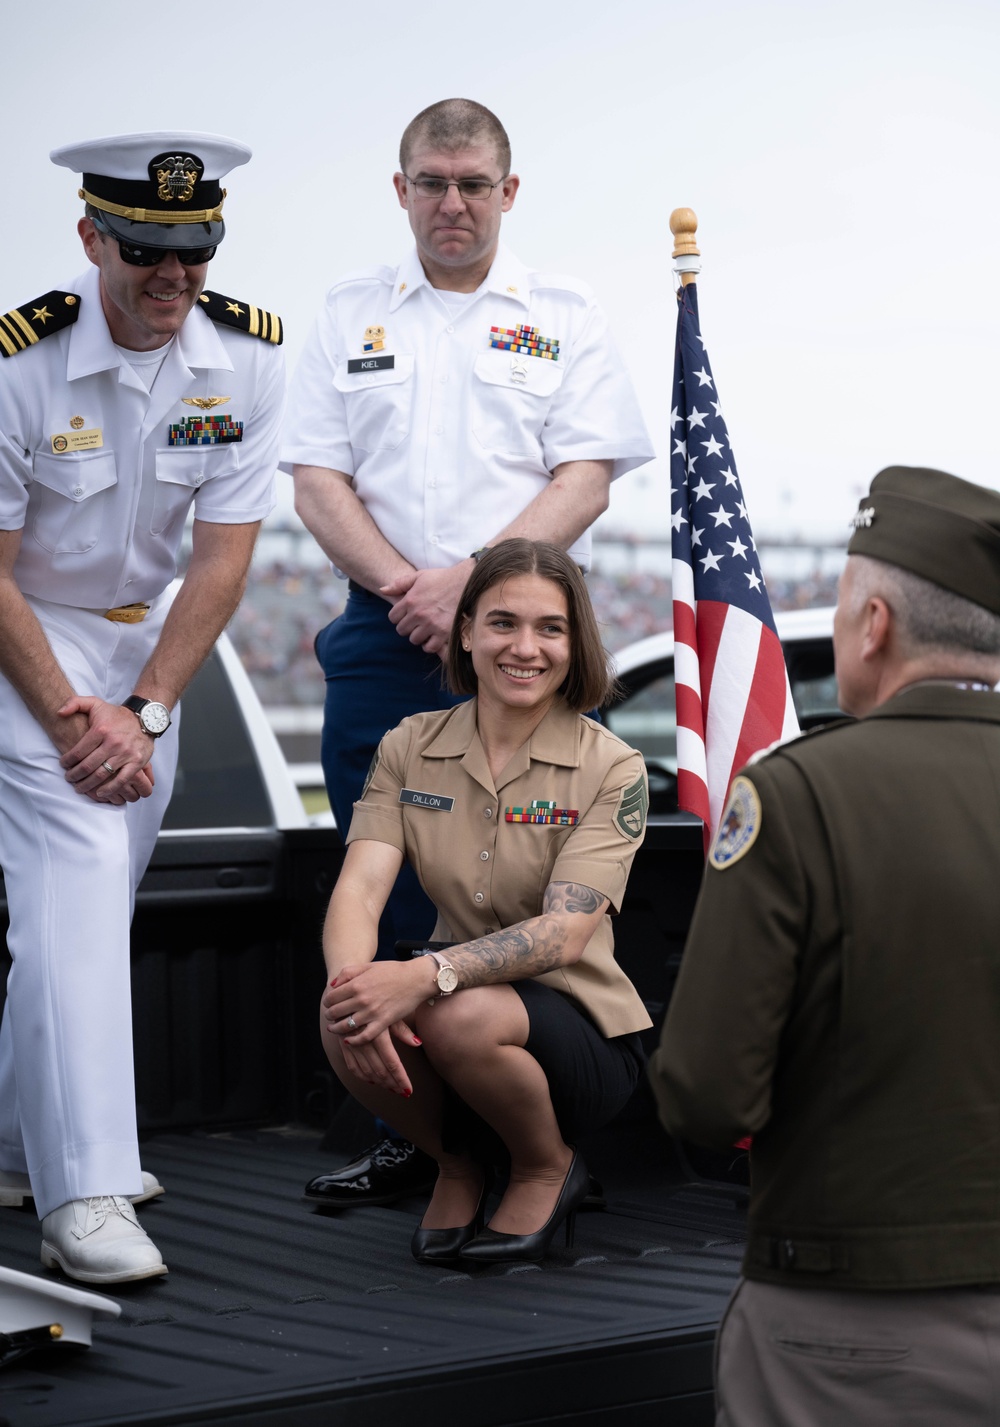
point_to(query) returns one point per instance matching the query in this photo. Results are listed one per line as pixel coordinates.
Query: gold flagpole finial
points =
(686, 254)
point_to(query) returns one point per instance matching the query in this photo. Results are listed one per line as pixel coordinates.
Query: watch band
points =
(444, 966)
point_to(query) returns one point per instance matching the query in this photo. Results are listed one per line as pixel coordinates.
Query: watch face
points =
(447, 979)
(155, 718)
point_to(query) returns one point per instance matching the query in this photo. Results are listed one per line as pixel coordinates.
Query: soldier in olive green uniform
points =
(840, 998)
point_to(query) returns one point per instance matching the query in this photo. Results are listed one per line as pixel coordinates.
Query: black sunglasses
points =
(137, 255)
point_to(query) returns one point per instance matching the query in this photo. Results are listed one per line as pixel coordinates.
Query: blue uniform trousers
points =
(374, 679)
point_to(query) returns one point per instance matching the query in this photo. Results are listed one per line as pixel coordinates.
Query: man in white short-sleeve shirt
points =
(126, 399)
(439, 407)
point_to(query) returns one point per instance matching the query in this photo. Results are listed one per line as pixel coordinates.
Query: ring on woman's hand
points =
(108, 766)
(352, 1024)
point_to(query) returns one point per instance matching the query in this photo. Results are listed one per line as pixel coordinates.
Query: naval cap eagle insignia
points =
(175, 176)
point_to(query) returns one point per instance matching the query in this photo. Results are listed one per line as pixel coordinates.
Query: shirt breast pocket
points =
(70, 497)
(378, 404)
(511, 397)
(180, 474)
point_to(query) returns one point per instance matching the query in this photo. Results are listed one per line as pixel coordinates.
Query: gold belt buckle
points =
(127, 613)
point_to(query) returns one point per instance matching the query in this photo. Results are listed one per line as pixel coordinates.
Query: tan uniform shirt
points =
(431, 795)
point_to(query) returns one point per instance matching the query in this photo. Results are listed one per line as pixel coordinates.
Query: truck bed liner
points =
(277, 1313)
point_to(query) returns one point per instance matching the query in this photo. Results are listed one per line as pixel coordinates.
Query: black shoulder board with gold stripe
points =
(22, 327)
(240, 314)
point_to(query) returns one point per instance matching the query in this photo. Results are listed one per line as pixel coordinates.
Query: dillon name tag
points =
(437, 801)
(384, 363)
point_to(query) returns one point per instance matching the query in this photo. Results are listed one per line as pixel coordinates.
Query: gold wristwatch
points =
(447, 976)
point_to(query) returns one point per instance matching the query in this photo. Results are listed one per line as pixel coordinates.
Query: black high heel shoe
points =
(436, 1246)
(493, 1247)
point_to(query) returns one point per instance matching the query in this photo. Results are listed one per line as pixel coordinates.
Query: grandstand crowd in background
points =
(287, 603)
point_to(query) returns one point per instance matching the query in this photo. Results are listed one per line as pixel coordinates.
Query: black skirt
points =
(590, 1077)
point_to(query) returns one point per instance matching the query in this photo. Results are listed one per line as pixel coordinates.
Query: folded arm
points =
(382, 993)
(206, 601)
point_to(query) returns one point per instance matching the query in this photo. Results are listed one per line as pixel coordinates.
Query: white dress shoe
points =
(99, 1240)
(16, 1188)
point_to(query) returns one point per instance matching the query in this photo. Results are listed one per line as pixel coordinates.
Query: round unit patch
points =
(739, 826)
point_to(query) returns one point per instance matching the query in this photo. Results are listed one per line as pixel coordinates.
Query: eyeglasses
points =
(469, 188)
(137, 255)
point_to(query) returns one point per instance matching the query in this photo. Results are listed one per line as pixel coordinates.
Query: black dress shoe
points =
(443, 1246)
(381, 1174)
(493, 1247)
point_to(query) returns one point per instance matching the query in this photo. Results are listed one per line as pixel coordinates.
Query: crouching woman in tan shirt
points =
(521, 817)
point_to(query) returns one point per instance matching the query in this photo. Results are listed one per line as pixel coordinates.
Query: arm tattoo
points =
(572, 897)
(531, 947)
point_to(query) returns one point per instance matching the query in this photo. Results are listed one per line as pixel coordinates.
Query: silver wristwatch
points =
(154, 717)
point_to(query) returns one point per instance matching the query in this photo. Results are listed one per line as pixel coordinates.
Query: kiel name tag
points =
(383, 363)
(437, 801)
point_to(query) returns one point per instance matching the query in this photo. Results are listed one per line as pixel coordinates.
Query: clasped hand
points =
(378, 998)
(423, 605)
(106, 735)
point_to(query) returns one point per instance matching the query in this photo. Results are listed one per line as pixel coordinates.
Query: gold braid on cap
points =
(154, 215)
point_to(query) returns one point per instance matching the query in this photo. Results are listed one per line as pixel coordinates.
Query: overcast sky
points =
(842, 160)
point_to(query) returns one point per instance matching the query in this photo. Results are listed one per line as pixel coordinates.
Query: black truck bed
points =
(275, 1312)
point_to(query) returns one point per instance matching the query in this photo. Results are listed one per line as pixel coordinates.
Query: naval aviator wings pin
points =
(205, 403)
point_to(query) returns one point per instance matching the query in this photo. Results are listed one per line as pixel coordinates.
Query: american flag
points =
(733, 696)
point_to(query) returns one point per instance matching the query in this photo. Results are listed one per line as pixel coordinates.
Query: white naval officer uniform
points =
(102, 525)
(454, 439)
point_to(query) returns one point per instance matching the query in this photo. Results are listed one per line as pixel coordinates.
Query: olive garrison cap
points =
(937, 526)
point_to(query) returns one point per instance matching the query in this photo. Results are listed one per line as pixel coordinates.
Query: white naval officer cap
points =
(160, 189)
(36, 1313)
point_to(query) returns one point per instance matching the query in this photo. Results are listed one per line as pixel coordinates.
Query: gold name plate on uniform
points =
(77, 441)
(127, 613)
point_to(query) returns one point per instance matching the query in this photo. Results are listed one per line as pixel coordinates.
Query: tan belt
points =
(127, 613)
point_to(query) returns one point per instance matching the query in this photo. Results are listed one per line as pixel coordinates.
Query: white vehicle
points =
(646, 716)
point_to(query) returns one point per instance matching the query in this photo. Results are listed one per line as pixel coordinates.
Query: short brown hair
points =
(590, 682)
(454, 124)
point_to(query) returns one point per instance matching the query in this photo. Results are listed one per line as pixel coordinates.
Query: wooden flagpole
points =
(686, 254)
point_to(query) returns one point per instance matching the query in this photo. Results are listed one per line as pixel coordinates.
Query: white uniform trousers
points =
(71, 866)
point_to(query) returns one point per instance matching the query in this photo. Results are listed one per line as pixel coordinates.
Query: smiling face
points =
(519, 638)
(456, 237)
(144, 307)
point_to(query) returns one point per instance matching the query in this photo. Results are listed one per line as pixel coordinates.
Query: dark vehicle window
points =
(646, 717)
(218, 783)
(814, 685)
(647, 720)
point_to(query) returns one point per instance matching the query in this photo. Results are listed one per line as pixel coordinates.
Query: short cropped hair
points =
(590, 682)
(928, 617)
(454, 124)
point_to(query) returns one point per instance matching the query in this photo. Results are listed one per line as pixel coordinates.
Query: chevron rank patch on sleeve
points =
(22, 327)
(243, 316)
(633, 803)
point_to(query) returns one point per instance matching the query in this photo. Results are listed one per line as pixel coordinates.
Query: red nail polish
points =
(417, 1040)
(334, 981)
(407, 1094)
